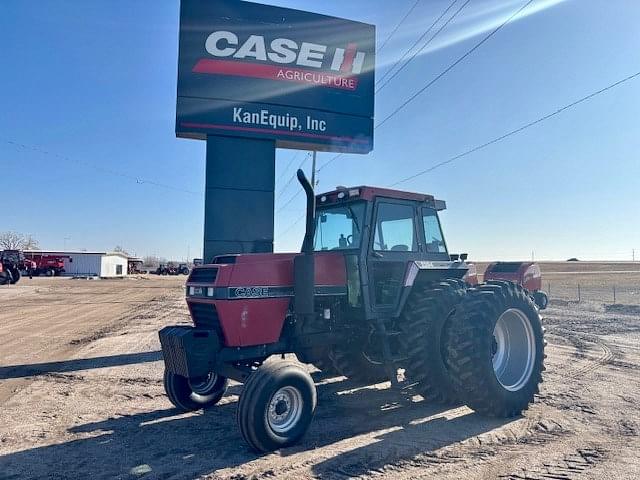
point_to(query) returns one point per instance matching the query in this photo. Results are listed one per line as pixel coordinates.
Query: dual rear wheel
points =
(483, 347)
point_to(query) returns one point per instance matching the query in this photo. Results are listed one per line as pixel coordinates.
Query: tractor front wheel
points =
(188, 395)
(496, 349)
(276, 406)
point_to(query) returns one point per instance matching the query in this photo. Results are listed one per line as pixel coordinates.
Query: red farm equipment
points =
(526, 274)
(48, 265)
(374, 290)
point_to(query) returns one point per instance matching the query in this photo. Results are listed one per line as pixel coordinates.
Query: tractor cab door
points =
(393, 244)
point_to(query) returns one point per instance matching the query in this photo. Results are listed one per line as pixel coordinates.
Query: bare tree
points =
(17, 241)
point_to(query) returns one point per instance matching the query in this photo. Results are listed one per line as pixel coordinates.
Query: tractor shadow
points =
(168, 444)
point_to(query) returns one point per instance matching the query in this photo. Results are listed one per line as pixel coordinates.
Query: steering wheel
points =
(349, 239)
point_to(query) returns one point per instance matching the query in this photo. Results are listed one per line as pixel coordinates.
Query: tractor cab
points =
(387, 236)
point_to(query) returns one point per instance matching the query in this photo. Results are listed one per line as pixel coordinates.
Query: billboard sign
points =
(302, 79)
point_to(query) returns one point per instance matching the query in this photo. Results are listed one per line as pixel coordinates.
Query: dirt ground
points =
(81, 397)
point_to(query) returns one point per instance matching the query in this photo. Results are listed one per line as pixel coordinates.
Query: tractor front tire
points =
(190, 395)
(276, 406)
(424, 323)
(496, 349)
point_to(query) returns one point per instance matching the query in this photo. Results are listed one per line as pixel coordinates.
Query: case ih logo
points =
(321, 67)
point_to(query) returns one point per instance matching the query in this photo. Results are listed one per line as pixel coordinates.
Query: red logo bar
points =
(271, 72)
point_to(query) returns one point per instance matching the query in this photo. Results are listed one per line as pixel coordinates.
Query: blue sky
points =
(89, 89)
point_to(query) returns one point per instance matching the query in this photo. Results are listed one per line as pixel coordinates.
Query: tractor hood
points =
(262, 275)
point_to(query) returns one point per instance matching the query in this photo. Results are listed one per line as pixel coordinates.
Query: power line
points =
(282, 190)
(453, 65)
(393, 32)
(519, 129)
(427, 43)
(295, 155)
(116, 173)
(290, 227)
(438, 77)
(406, 53)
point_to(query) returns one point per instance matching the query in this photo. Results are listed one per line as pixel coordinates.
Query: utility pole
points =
(633, 254)
(313, 171)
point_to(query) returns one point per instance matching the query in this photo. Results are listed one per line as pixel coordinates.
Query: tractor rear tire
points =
(5, 279)
(325, 365)
(276, 406)
(424, 322)
(356, 366)
(15, 276)
(496, 349)
(188, 395)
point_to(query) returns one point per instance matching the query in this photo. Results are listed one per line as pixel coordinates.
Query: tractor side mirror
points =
(454, 257)
(464, 256)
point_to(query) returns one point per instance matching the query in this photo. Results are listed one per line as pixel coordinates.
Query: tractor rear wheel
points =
(188, 395)
(5, 279)
(276, 406)
(496, 349)
(424, 324)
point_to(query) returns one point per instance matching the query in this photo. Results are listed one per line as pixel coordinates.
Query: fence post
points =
(614, 294)
(579, 299)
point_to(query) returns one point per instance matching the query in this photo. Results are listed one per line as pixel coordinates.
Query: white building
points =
(98, 264)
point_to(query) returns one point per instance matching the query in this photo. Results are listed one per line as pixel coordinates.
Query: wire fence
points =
(626, 293)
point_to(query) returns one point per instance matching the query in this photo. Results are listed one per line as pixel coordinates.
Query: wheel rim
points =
(513, 349)
(204, 387)
(285, 409)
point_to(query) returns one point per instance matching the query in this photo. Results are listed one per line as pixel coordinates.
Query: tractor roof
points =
(370, 193)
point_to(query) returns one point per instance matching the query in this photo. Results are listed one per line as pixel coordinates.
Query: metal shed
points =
(98, 264)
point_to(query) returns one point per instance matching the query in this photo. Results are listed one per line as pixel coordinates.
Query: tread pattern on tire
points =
(469, 349)
(424, 323)
(248, 412)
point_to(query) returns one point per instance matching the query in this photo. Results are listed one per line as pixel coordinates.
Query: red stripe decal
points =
(276, 132)
(286, 74)
(349, 55)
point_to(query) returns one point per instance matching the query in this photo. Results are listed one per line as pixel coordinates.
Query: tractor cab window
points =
(339, 227)
(394, 228)
(433, 232)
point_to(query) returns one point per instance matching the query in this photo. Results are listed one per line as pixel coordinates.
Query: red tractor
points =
(526, 274)
(49, 265)
(374, 290)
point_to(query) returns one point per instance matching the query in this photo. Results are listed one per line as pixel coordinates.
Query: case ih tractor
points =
(526, 274)
(374, 290)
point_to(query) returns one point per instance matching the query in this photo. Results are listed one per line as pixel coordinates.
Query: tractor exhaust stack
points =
(303, 265)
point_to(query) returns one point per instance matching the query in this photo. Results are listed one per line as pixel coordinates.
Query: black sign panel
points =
(252, 70)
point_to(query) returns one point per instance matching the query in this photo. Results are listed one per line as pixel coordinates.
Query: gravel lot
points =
(81, 397)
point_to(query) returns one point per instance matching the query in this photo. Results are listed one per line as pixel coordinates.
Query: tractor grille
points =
(205, 316)
(203, 275)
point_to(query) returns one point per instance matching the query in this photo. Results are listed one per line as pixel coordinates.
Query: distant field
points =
(590, 281)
